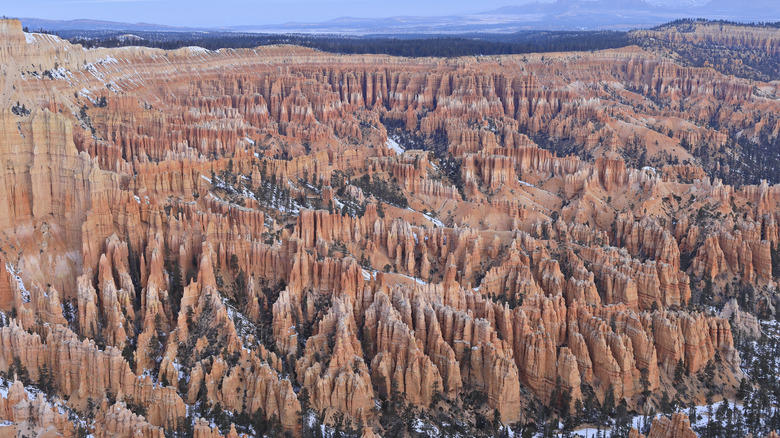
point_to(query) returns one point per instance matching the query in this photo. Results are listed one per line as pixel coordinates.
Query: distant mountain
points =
(591, 14)
(556, 15)
(563, 6)
(96, 25)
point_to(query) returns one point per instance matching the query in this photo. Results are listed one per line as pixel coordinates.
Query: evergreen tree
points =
(692, 416)
(19, 370)
(608, 408)
(665, 405)
(46, 380)
(707, 293)
(259, 423)
(679, 372)
(644, 380)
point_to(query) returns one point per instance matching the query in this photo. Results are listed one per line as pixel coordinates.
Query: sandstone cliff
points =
(230, 242)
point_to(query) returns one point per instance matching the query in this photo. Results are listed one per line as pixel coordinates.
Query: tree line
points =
(438, 46)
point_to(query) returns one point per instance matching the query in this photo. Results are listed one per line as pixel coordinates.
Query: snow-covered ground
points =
(638, 421)
(394, 146)
(419, 281)
(425, 428)
(649, 169)
(434, 220)
(198, 49)
(368, 275)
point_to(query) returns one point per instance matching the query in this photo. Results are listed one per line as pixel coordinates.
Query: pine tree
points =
(679, 372)
(577, 411)
(234, 263)
(19, 370)
(608, 408)
(46, 379)
(692, 416)
(259, 423)
(303, 398)
(496, 421)
(707, 293)
(644, 380)
(665, 404)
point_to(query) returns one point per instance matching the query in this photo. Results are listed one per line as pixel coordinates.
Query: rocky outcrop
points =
(742, 251)
(33, 413)
(343, 384)
(746, 323)
(118, 421)
(230, 228)
(83, 372)
(729, 35)
(677, 427)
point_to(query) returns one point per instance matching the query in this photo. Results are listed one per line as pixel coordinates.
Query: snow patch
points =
(394, 146)
(417, 280)
(61, 73)
(638, 421)
(107, 60)
(15, 274)
(368, 275)
(427, 429)
(434, 220)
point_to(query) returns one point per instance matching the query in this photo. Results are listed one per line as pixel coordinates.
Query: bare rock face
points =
(233, 234)
(399, 364)
(33, 414)
(84, 372)
(676, 427)
(345, 385)
(118, 421)
(742, 252)
(202, 429)
(745, 322)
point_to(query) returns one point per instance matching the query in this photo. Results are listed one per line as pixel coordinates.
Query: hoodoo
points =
(249, 242)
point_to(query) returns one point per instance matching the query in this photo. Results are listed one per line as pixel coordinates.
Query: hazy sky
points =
(237, 12)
